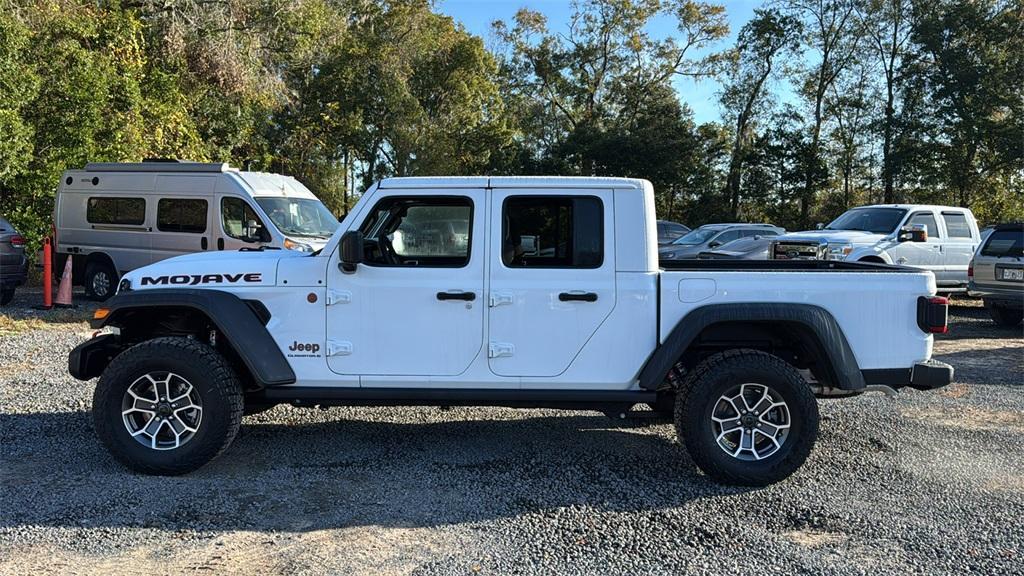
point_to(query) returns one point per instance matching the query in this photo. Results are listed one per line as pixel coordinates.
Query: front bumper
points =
(927, 375)
(89, 358)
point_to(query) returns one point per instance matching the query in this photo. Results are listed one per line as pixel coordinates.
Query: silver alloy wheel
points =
(100, 283)
(162, 410)
(750, 422)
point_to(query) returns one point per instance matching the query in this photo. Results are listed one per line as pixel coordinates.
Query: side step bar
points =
(600, 400)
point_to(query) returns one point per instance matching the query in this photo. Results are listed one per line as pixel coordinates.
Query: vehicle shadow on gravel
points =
(992, 367)
(327, 474)
(975, 322)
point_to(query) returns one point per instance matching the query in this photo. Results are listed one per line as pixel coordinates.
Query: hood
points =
(833, 237)
(218, 270)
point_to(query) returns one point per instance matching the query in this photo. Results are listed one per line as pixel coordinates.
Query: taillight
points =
(17, 240)
(970, 270)
(933, 314)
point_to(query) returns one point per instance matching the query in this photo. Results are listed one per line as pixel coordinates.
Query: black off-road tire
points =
(1006, 317)
(6, 295)
(709, 380)
(215, 381)
(92, 271)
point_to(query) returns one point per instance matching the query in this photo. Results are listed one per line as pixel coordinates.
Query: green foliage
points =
(898, 99)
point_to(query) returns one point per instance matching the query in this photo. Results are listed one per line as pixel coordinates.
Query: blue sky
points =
(702, 97)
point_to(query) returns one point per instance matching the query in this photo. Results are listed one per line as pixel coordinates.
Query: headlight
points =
(839, 251)
(297, 246)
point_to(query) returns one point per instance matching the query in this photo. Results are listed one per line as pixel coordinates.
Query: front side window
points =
(181, 215)
(928, 219)
(877, 220)
(552, 232)
(117, 211)
(433, 231)
(956, 224)
(240, 221)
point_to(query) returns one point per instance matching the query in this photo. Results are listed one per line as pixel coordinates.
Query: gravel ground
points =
(928, 483)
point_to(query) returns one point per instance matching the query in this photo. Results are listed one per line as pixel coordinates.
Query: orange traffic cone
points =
(64, 290)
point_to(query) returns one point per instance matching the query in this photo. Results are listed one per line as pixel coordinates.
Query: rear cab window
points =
(552, 232)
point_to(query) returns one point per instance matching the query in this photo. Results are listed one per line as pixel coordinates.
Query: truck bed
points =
(863, 298)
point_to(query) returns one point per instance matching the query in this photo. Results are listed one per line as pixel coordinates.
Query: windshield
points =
(698, 236)
(877, 220)
(299, 216)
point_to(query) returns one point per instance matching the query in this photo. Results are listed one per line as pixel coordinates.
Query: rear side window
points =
(1004, 243)
(181, 215)
(956, 224)
(552, 232)
(121, 211)
(928, 219)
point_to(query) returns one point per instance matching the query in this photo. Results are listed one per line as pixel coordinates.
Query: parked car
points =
(711, 236)
(595, 322)
(749, 248)
(882, 234)
(13, 261)
(116, 217)
(997, 274)
(669, 231)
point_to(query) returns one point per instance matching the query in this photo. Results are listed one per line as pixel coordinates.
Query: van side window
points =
(433, 231)
(928, 219)
(956, 224)
(181, 215)
(552, 232)
(123, 211)
(235, 214)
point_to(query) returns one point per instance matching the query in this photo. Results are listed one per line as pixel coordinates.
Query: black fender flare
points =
(836, 354)
(236, 321)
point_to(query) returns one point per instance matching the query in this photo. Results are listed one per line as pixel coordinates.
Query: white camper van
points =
(116, 217)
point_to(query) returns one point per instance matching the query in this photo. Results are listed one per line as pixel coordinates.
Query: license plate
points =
(1013, 274)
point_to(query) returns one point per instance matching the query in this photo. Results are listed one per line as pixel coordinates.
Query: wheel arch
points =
(869, 255)
(809, 334)
(142, 315)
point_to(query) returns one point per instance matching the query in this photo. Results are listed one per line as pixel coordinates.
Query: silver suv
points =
(997, 274)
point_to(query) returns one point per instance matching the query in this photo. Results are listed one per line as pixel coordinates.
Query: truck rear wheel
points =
(746, 417)
(167, 406)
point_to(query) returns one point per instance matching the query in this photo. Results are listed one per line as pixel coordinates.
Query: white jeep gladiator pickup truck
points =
(523, 292)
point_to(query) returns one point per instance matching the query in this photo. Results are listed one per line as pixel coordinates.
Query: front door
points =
(926, 255)
(414, 306)
(552, 273)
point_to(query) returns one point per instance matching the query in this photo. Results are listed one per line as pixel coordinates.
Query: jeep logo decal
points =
(193, 279)
(309, 348)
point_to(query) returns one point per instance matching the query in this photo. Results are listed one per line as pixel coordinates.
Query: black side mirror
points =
(714, 244)
(913, 233)
(351, 251)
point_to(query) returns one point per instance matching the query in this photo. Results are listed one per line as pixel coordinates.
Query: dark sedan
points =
(749, 248)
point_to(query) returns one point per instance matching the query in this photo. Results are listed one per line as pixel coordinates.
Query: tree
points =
(767, 36)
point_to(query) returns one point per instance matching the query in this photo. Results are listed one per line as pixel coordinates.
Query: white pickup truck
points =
(523, 292)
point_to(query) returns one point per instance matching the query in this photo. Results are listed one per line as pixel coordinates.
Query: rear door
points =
(958, 246)
(552, 275)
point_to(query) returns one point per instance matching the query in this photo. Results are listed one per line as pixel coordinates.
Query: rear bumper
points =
(1009, 297)
(13, 274)
(927, 375)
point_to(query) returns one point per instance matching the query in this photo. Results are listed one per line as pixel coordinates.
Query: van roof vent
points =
(157, 165)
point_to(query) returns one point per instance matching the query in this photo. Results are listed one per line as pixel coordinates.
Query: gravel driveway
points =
(925, 483)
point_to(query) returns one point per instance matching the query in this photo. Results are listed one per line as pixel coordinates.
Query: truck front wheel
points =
(746, 417)
(167, 406)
